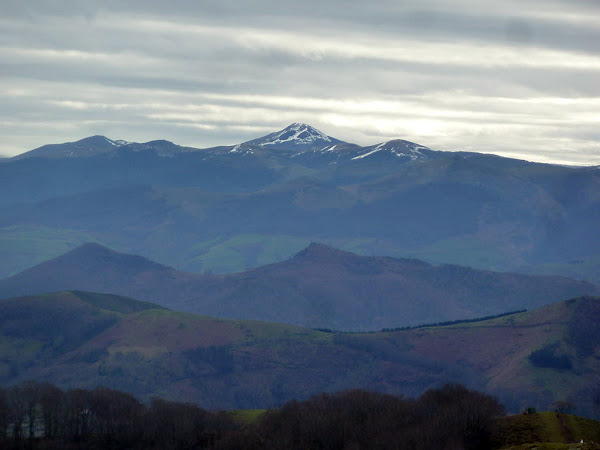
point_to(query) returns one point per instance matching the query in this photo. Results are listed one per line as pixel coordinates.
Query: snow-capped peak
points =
(299, 133)
(297, 136)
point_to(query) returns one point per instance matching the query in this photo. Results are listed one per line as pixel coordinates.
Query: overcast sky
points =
(515, 78)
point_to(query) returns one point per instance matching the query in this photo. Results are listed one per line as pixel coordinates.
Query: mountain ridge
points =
(298, 138)
(223, 211)
(319, 287)
(101, 145)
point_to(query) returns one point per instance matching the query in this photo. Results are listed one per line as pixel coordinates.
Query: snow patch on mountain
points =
(120, 142)
(396, 147)
(375, 150)
(241, 150)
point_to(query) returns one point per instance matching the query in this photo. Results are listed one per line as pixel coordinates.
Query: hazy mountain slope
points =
(90, 267)
(319, 287)
(325, 287)
(90, 146)
(117, 208)
(66, 176)
(300, 185)
(244, 364)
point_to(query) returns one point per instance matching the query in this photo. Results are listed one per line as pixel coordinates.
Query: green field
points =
(546, 430)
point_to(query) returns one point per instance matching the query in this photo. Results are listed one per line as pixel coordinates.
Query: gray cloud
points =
(513, 78)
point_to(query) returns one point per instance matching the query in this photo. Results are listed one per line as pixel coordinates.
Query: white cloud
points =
(507, 77)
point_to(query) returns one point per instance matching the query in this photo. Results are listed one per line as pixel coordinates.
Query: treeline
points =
(41, 416)
(456, 322)
(425, 325)
(451, 417)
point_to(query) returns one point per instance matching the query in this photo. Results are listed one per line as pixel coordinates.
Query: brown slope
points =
(319, 287)
(500, 350)
(247, 364)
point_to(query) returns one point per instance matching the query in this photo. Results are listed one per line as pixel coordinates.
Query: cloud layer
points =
(507, 77)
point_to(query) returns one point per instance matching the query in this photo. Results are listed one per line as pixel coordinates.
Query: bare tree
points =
(52, 401)
(17, 409)
(4, 414)
(115, 416)
(77, 414)
(31, 396)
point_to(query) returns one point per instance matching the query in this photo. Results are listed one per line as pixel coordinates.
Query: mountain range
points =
(320, 287)
(298, 140)
(83, 339)
(285, 228)
(229, 208)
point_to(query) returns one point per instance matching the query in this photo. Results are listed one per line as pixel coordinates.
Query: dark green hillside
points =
(83, 339)
(36, 330)
(545, 427)
(70, 316)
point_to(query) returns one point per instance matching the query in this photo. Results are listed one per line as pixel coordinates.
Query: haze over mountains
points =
(225, 209)
(319, 287)
(283, 228)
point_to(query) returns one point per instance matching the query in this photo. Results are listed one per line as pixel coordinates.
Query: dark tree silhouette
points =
(457, 417)
(17, 410)
(452, 417)
(31, 396)
(4, 414)
(77, 414)
(52, 401)
(182, 425)
(115, 416)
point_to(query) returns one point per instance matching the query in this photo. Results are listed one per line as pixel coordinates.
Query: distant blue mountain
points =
(232, 207)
